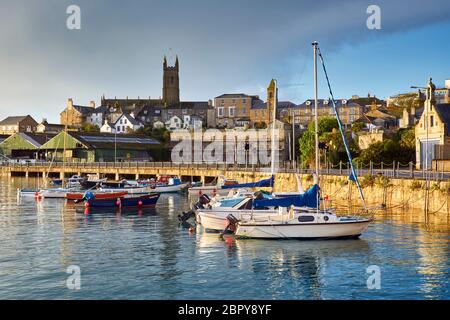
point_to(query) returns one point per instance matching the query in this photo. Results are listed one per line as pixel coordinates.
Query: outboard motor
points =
(202, 201)
(232, 222)
(186, 215)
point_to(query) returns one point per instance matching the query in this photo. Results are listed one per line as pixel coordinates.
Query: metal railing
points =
(392, 170)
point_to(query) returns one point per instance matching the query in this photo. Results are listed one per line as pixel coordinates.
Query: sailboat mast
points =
(274, 116)
(316, 103)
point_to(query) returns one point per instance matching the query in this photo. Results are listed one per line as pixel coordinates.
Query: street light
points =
(426, 127)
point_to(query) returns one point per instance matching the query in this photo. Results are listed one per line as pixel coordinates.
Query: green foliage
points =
(401, 148)
(160, 134)
(383, 181)
(367, 180)
(260, 125)
(89, 127)
(415, 185)
(358, 126)
(307, 140)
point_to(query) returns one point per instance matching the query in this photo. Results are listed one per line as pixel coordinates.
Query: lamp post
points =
(426, 127)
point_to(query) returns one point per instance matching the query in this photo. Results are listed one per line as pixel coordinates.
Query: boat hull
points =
(170, 188)
(54, 193)
(208, 190)
(27, 192)
(334, 230)
(98, 195)
(216, 220)
(143, 201)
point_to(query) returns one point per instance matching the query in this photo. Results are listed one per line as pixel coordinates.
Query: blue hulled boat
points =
(124, 202)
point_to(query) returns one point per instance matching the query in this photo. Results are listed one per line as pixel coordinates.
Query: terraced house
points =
(233, 109)
(11, 125)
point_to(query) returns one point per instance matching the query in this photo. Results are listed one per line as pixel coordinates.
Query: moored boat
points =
(97, 194)
(55, 193)
(125, 202)
(312, 225)
(27, 192)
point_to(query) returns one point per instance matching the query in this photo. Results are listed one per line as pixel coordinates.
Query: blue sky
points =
(223, 46)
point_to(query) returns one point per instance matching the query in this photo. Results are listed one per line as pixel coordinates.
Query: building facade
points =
(232, 108)
(432, 131)
(76, 115)
(11, 125)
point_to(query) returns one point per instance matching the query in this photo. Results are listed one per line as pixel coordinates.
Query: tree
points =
(401, 148)
(307, 140)
(358, 126)
(89, 127)
(160, 134)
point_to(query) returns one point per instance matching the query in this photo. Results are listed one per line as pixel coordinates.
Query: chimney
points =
(92, 104)
(69, 103)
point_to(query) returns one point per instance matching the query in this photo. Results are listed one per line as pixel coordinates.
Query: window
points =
(431, 121)
(125, 121)
(220, 111)
(244, 101)
(231, 111)
(120, 122)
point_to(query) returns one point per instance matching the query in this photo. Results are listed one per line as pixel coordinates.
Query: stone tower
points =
(272, 97)
(171, 83)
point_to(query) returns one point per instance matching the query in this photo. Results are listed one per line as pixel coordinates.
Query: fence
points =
(392, 170)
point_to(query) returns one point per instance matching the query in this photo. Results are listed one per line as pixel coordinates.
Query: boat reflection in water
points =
(293, 267)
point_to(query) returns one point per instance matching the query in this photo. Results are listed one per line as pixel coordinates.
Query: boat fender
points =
(86, 204)
(232, 222)
(326, 218)
(140, 203)
(118, 202)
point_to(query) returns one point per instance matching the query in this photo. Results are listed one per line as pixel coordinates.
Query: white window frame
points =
(232, 114)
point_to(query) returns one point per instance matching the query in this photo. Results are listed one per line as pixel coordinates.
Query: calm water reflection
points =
(146, 255)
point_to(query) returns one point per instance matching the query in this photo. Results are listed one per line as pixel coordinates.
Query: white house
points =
(174, 123)
(127, 123)
(108, 127)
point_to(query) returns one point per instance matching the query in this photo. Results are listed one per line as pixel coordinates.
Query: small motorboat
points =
(27, 192)
(165, 184)
(73, 181)
(55, 193)
(71, 196)
(124, 202)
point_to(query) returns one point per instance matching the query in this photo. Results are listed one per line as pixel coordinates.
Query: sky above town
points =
(223, 46)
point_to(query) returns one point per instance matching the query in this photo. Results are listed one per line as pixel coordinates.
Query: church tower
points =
(171, 83)
(272, 99)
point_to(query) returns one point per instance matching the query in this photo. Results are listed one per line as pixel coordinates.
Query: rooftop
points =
(12, 120)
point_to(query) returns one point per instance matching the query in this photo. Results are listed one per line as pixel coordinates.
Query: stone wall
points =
(398, 194)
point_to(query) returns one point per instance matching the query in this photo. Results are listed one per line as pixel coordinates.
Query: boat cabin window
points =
(247, 205)
(303, 218)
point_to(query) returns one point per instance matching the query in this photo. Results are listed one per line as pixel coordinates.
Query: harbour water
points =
(147, 255)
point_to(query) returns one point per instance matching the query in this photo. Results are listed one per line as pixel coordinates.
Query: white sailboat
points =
(305, 225)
